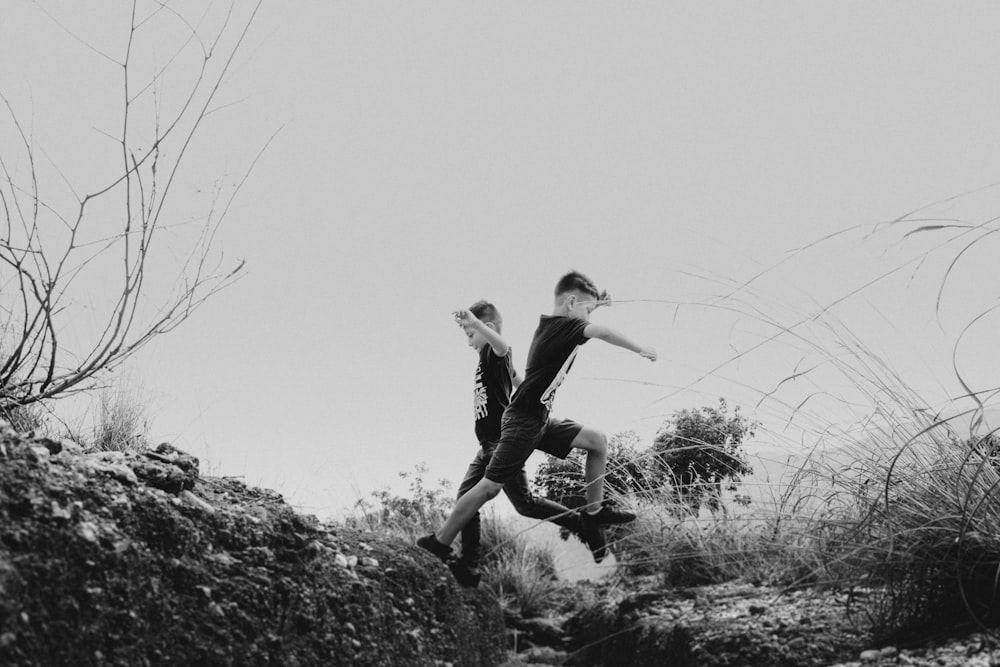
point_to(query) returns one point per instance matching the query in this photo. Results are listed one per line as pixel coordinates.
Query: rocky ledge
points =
(135, 559)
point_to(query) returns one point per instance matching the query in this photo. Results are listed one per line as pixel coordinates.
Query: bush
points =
(628, 472)
(699, 450)
(421, 512)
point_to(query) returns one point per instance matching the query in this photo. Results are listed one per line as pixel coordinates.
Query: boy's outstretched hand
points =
(464, 318)
(648, 353)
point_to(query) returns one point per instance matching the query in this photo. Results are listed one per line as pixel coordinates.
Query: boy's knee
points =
(524, 505)
(490, 488)
(592, 440)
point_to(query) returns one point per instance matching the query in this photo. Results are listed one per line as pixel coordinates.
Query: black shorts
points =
(521, 434)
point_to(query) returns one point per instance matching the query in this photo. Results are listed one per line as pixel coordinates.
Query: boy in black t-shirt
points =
(495, 378)
(527, 426)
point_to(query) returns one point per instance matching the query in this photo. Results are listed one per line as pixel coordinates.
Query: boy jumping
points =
(527, 426)
(495, 378)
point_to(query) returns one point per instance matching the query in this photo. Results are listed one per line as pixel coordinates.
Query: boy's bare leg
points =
(595, 511)
(595, 444)
(465, 508)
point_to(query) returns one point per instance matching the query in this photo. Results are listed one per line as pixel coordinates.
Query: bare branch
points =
(45, 252)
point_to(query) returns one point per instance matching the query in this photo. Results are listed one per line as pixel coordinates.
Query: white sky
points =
(432, 154)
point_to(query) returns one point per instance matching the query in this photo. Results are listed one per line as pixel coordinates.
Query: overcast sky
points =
(429, 155)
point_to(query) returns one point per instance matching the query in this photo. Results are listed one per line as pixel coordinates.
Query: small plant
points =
(122, 423)
(422, 511)
(522, 576)
(24, 418)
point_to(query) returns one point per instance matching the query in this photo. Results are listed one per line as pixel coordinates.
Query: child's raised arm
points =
(609, 335)
(467, 321)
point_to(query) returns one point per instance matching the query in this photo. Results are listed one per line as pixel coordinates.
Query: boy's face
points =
(579, 305)
(476, 339)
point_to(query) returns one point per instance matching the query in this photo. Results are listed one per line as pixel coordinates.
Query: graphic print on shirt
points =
(549, 395)
(480, 399)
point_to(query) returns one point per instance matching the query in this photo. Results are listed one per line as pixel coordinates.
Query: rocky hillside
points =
(135, 559)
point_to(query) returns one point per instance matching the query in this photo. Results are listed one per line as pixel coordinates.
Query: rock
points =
(54, 446)
(41, 453)
(540, 630)
(871, 655)
(108, 457)
(70, 447)
(165, 476)
(96, 570)
(59, 512)
(197, 502)
(544, 655)
(88, 531)
(119, 471)
(189, 464)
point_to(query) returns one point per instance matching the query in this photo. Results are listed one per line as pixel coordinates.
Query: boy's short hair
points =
(487, 312)
(576, 281)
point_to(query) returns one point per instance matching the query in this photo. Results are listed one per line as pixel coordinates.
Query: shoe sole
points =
(599, 553)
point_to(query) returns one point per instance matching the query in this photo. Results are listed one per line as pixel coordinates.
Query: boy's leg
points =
(467, 507)
(558, 441)
(563, 435)
(472, 530)
(530, 505)
(535, 507)
(517, 437)
(595, 444)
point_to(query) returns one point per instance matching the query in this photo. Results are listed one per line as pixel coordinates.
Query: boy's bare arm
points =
(469, 321)
(609, 335)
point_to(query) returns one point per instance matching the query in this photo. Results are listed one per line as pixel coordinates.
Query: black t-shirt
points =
(492, 392)
(553, 349)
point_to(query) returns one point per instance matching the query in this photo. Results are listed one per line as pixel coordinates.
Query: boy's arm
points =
(470, 321)
(609, 335)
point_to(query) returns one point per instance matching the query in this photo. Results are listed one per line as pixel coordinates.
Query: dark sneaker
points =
(592, 535)
(607, 516)
(430, 543)
(465, 574)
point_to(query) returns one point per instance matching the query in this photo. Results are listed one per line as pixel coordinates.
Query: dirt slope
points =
(135, 559)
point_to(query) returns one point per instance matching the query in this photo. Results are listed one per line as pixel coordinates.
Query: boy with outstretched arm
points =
(527, 426)
(495, 378)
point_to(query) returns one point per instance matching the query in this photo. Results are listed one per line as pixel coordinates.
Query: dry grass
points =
(521, 575)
